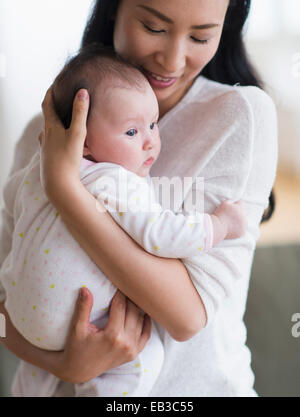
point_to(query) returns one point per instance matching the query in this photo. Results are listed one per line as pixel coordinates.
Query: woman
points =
(192, 53)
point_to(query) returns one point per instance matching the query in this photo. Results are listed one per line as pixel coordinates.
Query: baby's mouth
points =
(149, 161)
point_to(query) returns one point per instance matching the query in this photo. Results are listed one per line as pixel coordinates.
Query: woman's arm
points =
(159, 286)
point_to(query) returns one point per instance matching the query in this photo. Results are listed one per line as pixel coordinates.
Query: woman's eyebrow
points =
(168, 20)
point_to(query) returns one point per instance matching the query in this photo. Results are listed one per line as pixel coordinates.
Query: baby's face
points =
(122, 128)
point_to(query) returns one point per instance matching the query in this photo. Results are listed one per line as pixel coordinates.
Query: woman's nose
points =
(172, 58)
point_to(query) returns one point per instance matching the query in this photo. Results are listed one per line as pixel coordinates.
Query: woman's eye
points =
(203, 41)
(152, 30)
(131, 132)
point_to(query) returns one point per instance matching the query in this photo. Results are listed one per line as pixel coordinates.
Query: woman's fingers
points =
(146, 332)
(117, 312)
(133, 320)
(41, 138)
(49, 113)
(81, 317)
(79, 114)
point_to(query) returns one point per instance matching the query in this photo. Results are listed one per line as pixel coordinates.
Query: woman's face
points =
(171, 40)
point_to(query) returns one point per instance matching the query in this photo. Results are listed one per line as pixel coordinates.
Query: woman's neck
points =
(170, 102)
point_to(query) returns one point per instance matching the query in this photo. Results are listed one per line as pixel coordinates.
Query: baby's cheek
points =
(129, 159)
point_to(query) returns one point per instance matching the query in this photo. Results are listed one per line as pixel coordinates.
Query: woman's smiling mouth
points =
(157, 81)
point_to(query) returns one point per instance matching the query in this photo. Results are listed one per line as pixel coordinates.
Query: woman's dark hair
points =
(230, 64)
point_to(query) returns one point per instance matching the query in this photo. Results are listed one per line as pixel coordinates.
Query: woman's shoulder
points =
(250, 101)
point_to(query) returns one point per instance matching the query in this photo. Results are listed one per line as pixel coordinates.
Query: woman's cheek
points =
(140, 47)
(213, 49)
(132, 43)
(125, 39)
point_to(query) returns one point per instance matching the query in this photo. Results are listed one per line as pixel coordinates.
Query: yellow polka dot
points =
(83, 286)
(156, 247)
(25, 261)
(104, 309)
(22, 319)
(201, 248)
(36, 198)
(13, 283)
(52, 286)
(151, 220)
(37, 229)
(8, 266)
(57, 214)
(191, 225)
(21, 235)
(34, 307)
(137, 365)
(38, 339)
(27, 182)
(145, 370)
(125, 393)
(47, 251)
(33, 374)
(121, 214)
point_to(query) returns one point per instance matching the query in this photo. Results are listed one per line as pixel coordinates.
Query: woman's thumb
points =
(83, 309)
(80, 113)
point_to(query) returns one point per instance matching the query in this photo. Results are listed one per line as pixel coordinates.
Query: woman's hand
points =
(61, 149)
(90, 351)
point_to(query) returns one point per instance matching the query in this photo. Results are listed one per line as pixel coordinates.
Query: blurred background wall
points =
(35, 39)
(273, 43)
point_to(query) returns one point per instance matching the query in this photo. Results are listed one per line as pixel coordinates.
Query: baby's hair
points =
(92, 65)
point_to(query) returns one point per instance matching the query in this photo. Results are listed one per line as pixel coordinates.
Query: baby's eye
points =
(131, 132)
(152, 126)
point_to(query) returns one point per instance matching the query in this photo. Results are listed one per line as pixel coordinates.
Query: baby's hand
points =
(233, 217)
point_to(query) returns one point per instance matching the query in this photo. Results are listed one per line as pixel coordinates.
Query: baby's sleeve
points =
(160, 232)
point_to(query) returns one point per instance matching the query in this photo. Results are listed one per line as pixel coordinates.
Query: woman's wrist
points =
(60, 191)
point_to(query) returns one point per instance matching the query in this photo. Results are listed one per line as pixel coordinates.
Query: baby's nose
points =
(148, 144)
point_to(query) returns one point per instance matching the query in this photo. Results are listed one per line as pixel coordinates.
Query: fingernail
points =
(82, 293)
(82, 95)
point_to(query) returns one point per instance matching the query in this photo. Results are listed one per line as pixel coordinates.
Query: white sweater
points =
(228, 135)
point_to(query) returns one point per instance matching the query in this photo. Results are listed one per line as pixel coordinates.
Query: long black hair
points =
(230, 65)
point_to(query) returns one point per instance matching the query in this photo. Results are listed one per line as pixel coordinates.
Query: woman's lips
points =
(149, 161)
(157, 81)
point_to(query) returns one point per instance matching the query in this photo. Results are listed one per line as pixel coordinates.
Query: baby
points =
(46, 267)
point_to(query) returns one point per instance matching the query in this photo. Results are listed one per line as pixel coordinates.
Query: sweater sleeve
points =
(25, 148)
(244, 167)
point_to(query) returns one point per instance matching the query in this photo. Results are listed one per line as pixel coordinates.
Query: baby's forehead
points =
(113, 92)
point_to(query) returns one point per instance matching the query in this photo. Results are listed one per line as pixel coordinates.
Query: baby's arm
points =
(162, 232)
